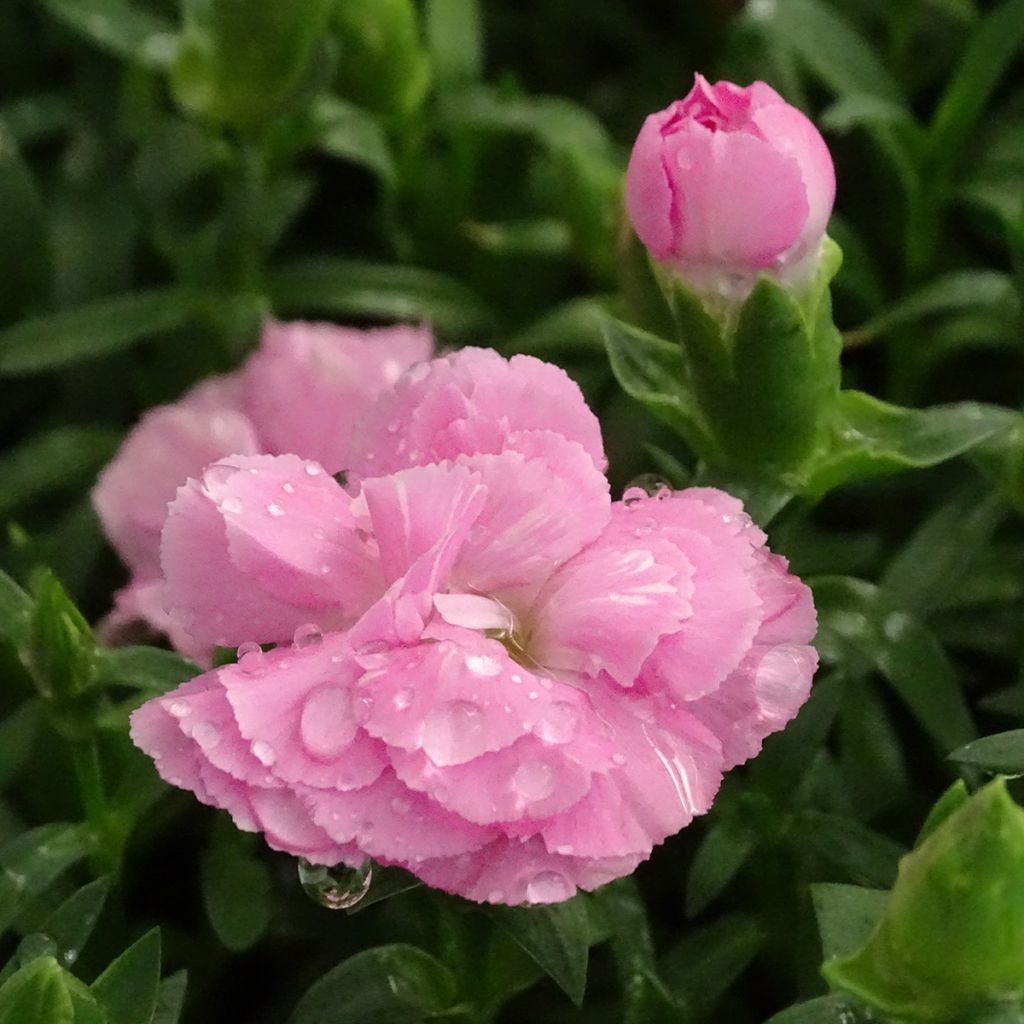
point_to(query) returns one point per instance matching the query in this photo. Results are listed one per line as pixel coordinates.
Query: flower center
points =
(490, 617)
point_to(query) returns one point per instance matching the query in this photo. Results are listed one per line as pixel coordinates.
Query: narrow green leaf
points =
(1000, 754)
(36, 116)
(24, 235)
(575, 326)
(170, 1000)
(59, 459)
(143, 668)
(871, 437)
(986, 59)
(109, 325)
(355, 288)
(557, 936)
(236, 894)
(17, 736)
(847, 914)
(351, 133)
(856, 109)
(128, 987)
(833, 1009)
(15, 610)
(860, 627)
(455, 40)
(63, 650)
(29, 863)
(865, 856)
(397, 984)
(37, 994)
(126, 30)
(725, 848)
(71, 924)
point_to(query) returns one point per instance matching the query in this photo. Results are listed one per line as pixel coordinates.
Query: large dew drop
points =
(338, 887)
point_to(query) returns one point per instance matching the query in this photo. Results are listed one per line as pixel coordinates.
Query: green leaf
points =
(701, 968)
(109, 325)
(653, 371)
(236, 894)
(64, 457)
(15, 611)
(18, 733)
(37, 994)
(860, 626)
(347, 288)
(960, 291)
(872, 438)
(397, 984)
(36, 116)
(847, 914)
(647, 999)
(129, 31)
(455, 41)
(24, 234)
(987, 57)
(952, 800)
(725, 848)
(71, 924)
(556, 936)
(63, 652)
(575, 326)
(856, 109)
(832, 48)
(865, 856)
(143, 668)
(128, 987)
(351, 133)
(170, 999)
(1000, 754)
(33, 860)
(833, 1009)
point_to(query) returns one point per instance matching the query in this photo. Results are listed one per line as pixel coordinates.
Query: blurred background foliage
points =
(172, 173)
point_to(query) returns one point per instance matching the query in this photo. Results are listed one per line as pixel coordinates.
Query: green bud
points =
(765, 368)
(384, 64)
(239, 60)
(952, 935)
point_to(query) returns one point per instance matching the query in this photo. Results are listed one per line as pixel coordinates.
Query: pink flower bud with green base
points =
(728, 184)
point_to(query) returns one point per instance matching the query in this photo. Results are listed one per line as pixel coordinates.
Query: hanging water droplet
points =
(338, 887)
(549, 887)
(250, 657)
(308, 634)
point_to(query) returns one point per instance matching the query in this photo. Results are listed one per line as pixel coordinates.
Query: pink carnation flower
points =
(731, 180)
(488, 672)
(337, 371)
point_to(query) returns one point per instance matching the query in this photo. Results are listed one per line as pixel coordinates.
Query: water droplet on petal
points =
(312, 469)
(559, 723)
(232, 506)
(250, 657)
(206, 734)
(534, 780)
(483, 664)
(619, 759)
(179, 708)
(288, 488)
(336, 888)
(307, 635)
(453, 733)
(549, 887)
(402, 699)
(327, 725)
(263, 752)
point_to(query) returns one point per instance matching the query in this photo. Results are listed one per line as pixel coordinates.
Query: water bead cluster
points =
(485, 670)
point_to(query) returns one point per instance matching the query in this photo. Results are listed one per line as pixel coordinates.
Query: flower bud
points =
(730, 183)
(952, 934)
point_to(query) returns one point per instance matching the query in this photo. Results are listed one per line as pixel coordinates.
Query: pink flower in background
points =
(304, 390)
(730, 180)
(488, 672)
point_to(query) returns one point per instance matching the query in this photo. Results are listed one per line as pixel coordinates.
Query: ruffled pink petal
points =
(309, 383)
(388, 821)
(512, 872)
(410, 511)
(290, 530)
(523, 783)
(169, 445)
(788, 615)
(606, 608)
(299, 714)
(543, 506)
(759, 698)
(717, 539)
(288, 826)
(651, 189)
(205, 593)
(470, 402)
(448, 698)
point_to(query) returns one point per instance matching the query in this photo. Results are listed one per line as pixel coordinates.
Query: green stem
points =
(85, 756)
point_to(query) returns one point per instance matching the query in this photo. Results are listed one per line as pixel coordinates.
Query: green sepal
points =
(952, 934)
